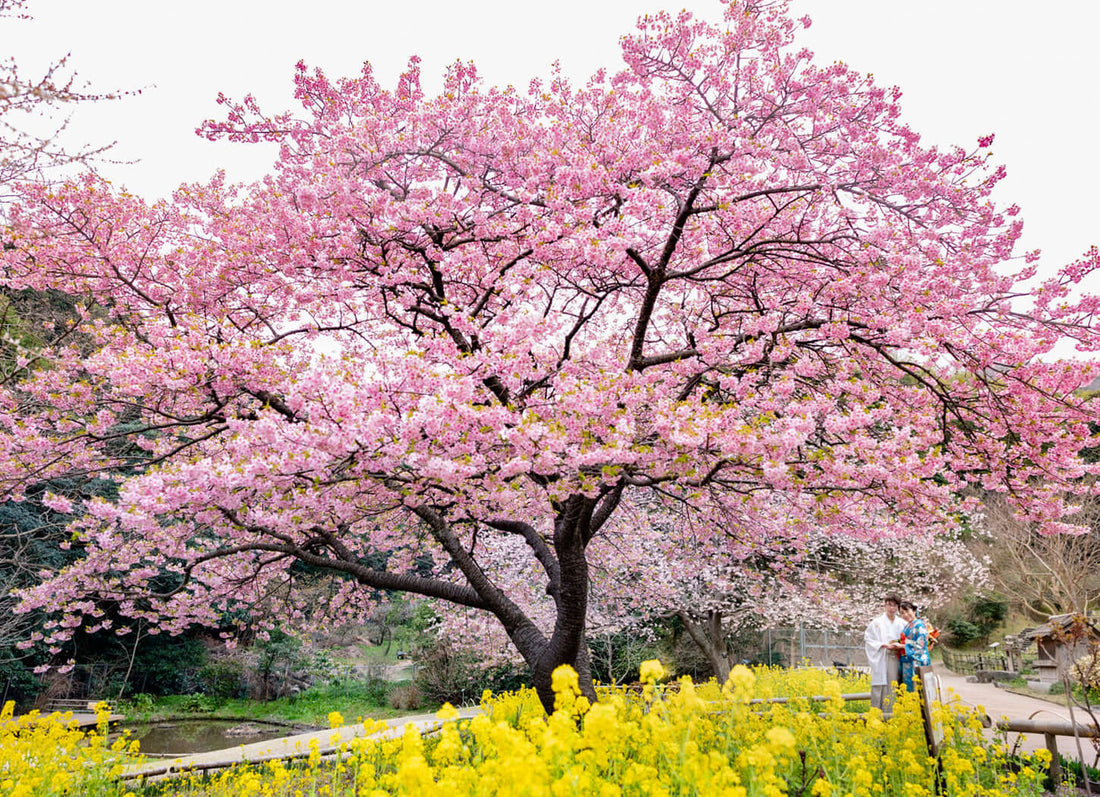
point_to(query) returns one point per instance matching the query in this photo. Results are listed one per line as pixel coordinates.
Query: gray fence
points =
(800, 644)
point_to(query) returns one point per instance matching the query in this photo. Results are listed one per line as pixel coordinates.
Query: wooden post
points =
(1055, 759)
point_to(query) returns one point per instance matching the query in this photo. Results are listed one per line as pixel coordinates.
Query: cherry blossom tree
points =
(831, 583)
(766, 569)
(721, 274)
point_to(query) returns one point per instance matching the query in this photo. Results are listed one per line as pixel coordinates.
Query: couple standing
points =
(896, 640)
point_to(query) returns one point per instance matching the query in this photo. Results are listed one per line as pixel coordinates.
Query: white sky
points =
(1025, 71)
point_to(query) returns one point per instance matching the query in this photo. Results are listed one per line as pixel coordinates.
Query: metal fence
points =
(800, 644)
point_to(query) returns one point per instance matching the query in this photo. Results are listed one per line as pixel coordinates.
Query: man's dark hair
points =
(894, 599)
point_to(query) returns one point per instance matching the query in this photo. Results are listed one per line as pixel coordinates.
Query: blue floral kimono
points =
(916, 652)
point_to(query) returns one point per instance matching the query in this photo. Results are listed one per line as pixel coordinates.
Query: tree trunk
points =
(568, 643)
(577, 519)
(130, 666)
(709, 636)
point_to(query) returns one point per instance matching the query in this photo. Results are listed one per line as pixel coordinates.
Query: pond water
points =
(185, 736)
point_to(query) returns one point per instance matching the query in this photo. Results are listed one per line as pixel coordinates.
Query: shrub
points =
(374, 688)
(224, 678)
(277, 659)
(405, 697)
(987, 612)
(141, 703)
(446, 675)
(198, 704)
(963, 632)
(21, 683)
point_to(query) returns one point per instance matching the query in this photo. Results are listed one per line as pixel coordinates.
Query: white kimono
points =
(878, 633)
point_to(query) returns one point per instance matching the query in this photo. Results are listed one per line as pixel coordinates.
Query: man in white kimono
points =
(878, 642)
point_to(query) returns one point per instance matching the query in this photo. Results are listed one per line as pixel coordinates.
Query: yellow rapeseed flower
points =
(741, 684)
(652, 671)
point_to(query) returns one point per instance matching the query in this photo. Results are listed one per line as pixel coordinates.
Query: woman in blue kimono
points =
(916, 653)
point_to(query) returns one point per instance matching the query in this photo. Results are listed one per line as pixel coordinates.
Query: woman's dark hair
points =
(907, 605)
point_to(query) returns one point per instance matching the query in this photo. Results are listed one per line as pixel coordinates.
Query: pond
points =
(185, 736)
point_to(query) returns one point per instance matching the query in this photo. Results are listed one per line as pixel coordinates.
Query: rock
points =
(244, 729)
(993, 676)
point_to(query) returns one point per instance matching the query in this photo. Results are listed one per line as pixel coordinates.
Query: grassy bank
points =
(310, 707)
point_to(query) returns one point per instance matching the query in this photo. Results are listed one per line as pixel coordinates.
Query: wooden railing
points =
(970, 663)
(1051, 730)
(81, 705)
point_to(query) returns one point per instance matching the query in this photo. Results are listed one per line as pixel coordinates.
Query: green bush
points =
(963, 632)
(977, 619)
(276, 656)
(224, 678)
(988, 612)
(374, 689)
(22, 684)
(446, 675)
(198, 704)
(141, 703)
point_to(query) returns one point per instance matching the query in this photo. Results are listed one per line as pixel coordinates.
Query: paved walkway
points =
(1000, 703)
(328, 742)
(92, 720)
(82, 719)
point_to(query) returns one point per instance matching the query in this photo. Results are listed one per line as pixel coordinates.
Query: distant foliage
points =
(446, 675)
(962, 631)
(981, 615)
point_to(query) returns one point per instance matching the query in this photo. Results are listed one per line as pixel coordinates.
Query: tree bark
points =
(710, 638)
(568, 643)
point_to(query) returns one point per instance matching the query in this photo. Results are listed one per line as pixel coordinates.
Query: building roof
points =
(1059, 622)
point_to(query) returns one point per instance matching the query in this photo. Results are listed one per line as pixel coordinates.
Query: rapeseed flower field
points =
(659, 741)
